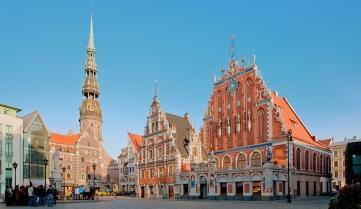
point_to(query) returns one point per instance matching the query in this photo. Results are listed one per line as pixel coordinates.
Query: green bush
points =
(349, 197)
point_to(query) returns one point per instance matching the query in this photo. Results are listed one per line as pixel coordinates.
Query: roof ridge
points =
(313, 138)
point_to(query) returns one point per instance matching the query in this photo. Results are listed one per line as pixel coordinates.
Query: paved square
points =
(310, 203)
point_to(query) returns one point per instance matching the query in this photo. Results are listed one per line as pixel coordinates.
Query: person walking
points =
(50, 198)
(76, 193)
(31, 194)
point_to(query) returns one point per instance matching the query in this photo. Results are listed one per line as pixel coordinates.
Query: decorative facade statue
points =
(238, 123)
(249, 125)
(268, 154)
(219, 128)
(228, 127)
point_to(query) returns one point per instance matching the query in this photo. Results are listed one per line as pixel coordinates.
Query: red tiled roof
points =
(70, 139)
(325, 142)
(136, 140)
(292, 121)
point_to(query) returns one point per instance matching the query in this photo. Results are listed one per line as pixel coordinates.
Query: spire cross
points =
(233, 48)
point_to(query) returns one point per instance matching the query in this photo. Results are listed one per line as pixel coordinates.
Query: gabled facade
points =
(169, 145)
(245, 128)
(127, 163)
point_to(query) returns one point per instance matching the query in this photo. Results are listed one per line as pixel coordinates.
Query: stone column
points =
(267, 191)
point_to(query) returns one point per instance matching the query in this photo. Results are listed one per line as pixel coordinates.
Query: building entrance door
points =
(170, 192)
(203, 188)
(203, 191)
(141, 192)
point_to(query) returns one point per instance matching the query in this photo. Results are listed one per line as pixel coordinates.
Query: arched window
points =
(226, 162)
(298, 159)
(314, 160)
(321, 164)
(241, 161)
(249, 102)
(256, 159)
(249, 91)
(261, 121)
(219, 102)
(307, 161)
(327, 164)
(211, 138)
(239, 110)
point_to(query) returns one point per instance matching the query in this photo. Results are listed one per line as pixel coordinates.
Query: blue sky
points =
(309, 51)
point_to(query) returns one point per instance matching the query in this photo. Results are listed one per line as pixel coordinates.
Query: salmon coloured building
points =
(245, 132)
(169, 145)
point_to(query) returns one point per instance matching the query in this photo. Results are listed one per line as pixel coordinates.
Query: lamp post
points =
(94, 166)
(45, 161)
(289, 138)
(64, 169)
(15, 165)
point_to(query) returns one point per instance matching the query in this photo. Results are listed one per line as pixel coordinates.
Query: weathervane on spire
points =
(233, 48)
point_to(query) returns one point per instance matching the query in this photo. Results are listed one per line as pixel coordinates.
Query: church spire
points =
(91, 35)
(90, 86)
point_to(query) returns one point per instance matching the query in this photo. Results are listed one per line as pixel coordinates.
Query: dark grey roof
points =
(182, 132)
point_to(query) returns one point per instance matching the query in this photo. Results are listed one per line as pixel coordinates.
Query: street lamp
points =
(289, 139)
(64, 169)
(94, 167)
(45, 161)
(15, 165)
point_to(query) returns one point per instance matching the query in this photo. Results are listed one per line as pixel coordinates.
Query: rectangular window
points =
(335, 164)
(170, 171)
(336, 174)
(160, 172)
(142, 174)
(335, 153)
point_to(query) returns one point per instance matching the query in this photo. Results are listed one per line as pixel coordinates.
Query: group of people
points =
(31, 196)
(83, 192)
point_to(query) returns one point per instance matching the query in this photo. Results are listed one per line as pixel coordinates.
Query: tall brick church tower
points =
(90, 111)
(81, 152)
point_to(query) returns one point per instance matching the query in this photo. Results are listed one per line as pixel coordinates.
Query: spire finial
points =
(91, 34)
(233, 48)
(155, 89)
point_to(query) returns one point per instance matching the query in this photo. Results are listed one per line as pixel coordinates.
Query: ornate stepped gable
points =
(243, 111)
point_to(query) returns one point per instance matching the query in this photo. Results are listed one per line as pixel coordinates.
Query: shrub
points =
(349, 197)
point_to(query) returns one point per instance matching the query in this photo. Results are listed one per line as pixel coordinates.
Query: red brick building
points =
(244, 122)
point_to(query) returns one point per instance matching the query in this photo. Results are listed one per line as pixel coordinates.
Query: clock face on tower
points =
(90, 108)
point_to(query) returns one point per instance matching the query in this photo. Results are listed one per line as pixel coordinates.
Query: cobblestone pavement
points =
(310, 203)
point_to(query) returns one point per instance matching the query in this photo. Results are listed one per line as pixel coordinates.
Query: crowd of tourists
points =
(31, 196)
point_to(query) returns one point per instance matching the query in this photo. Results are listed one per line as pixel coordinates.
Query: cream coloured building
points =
(338, 149)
